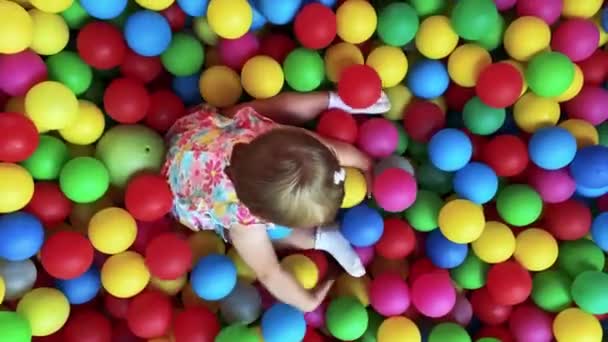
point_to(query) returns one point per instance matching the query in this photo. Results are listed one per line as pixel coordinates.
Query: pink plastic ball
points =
(576, 38)
(547, 10)
(21, 71)
(366, 254)
(590, 105)
(389, 294)
(553, 186)
(378, 137)
(503, 5)
(531, 324)
(316, 318)
(235, 52)
(395, 190)
(433, 294)
(462, 313)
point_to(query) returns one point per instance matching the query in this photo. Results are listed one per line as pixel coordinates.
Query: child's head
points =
(287, 177)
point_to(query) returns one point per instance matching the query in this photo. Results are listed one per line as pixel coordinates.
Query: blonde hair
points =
(286, 176)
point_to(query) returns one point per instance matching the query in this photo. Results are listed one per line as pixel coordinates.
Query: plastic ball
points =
(359, 86)
(237, 332)
(21, 71)
(283, 322)
(262, 77)
(356, 21)
(147, 33)
(235, 52)
(155, 5)
(68, 68)
(398, 328)
(579, 256)
(526, 36)
(83, 288)
(574, 324)
(149, 314)
(112, 230)
(124, 275)
(21, 235)
(242, 306)
(315, 26)
(101, 45)
(486, 246)
(509, 283)
(346, 318)
(278, 13)
(476, 182)
(126, 109)
(551, 290)
(536, 249)
(482, 119)
(148, 197)
(472, 18)
(499, 85)
(303, 270)
(588, 165)
(229, 19)
(19, 138)
(362, 226)
(220, 86)
(444, 253)
(15, 327)
(519, 205)
(448, 332)
(18, 278)
(88, 126)
(400, 98)
(17, 28)
(390, 63)
(466, 63)
(435, 38)
(84, 179)
(552, 148)
(549, 10)
(356, 288)
(66, 255)
(584, 132)
(45, 309)
(50, 34)
(355, 188)
(195, 323)
(398, 240)
(433, 294)
(529, 323)
(582, 10)
(184, 56)
(549, 74)
(168, 256)
(51, 105)
(165, 108)
(389, 294)
(587, 105)
(278, 46)
(422, 215)
(104, 10)
(303, 69)
(394, 190)
(450, 149)
(599, 231)
(75, 16)
(397, 24)
(487, 309)
(87, 325)
(378, 137)
(552, 186)
(532, 112)
(587, 290)
(461, 221)
(428, 79)
(471, 273)
(576, 38)
(338, 124)
(339, 57)
(422, 119)
(213, 277)
(140, 67)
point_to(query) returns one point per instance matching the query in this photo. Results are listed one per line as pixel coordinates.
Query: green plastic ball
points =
(375, 320)
(488, 339)
(237, 332)
(203, 31)
(403, 139)
(346, 318)
(398, 24)
(417, 150)
(551, 290)
(304, 69)
(492, 39)
(433, 179)
(449, 332)
(426, 8)
(589, 292)
(519, 205)
(95, 91)
(185, 55)
(549, 74)
(84, 180)
(68, 68)
(471, 274)
(471, 19)
(14, 328)
(602, 131)
(48, 159)
(75, 16)
(579, 256)
(422, 215)
(482, 119)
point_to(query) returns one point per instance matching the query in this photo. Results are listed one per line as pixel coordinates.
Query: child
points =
(241, 173)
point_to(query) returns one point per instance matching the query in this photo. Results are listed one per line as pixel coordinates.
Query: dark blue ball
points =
(186, 87)
(444, 253)
(362, 226)
(82, 289)
(21, 236)
(590, 167)
(476, 182)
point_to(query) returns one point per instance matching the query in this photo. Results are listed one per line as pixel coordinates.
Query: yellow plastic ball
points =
(356, 21)
(575, 325)
(16, 28)
(398, 329)
(535, 249)
(585, 133)
(349, 286)
(51, 33)
(2, 289)
(532, 112)
(243, 270)
(229, 19)
(170, 287)
(112, 230)
(581, 9)
(496, 244)
(597, 20)
(262, 77)
(155, 5)
(574, 88)
(303, 269)
(201, 28)
(340, 56)
(436, 38)
(51, 105)
(87, 127)
(355, 188)
(205, 242)
(16, 187)
(461, 221)
(520, 67)
(45, 309)
(466, 62)
(52, 6)
(400, 97)
(125, 275)
(390, 63)
(220, 86)
(525, 37)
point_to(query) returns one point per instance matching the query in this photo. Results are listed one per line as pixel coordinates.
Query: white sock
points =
(330, 239)
(381, 106)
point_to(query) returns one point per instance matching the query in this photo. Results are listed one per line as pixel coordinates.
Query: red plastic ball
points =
(87, 326)
(422, 119)
(313, 336)
(506, 154)
(487, 310)
(148, 197)
(101, 45)
(66, 255)
(175, 16)
(168, 256)
(126, 100)
(49, 204)
(141, 67)
(499, 85)
(165, 109)
(320, 260)
(277, 46)
(122, 333)
(498, 332)
(116, 307)
(18, 137)
(569, 220)
(478, 142)
(196, 324)
(146, 231)
(315, 26)
(338, 124)
(150, 314)
(456, 96)
(595, 68)
(420, 267)
(359, 86)
(509, 283)
(398, 240)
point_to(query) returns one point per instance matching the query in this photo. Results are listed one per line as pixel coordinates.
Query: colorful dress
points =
(199, 150)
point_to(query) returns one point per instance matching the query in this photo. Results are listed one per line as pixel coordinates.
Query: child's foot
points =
(381, 106)
(330, 239)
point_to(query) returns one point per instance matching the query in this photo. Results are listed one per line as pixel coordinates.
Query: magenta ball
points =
(589, 105)
(378, 137)
(504, 5)
(389, 294)
(366, 254)
(433, 294)
(235, 52)
(395, 190)
(462, 313)
(531, 324)
(576, 38)
(316, 318)
(553, 186)
(21, 71)
(547, 10)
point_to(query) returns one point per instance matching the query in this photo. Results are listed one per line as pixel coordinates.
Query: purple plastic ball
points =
(21, 71)
(234, 53)
(378, 137)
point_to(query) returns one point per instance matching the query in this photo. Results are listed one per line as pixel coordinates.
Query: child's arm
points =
(255, 248)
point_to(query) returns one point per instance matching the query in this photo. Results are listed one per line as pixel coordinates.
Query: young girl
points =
(241, 173)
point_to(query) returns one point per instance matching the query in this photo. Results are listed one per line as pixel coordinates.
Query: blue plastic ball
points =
(82, 289)
(586, 192)
(444, 253)
(213, 277)
(104, 10)
(258, 18)
(362, 226)
(450, 149)
(605, 19)
(428, 79)
(590, 167)
(599, 231)
(476, 182)
(186, 87)
(148, 33)
(279, 232)
(552, 148)
(21, 236)
(194, 8)
(278, 12)
(283, 323)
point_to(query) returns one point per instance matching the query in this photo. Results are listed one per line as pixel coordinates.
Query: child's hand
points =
(322, 290)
